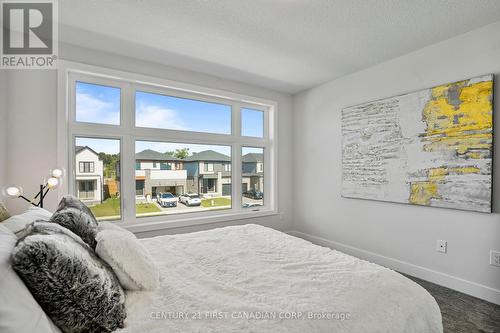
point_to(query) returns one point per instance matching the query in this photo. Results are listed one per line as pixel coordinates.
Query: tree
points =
(181, 153)
(109, 162)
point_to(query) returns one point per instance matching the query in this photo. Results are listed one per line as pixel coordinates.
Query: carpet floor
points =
(463, 313)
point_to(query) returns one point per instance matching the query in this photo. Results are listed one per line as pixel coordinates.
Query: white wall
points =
(31, 130)
(32, 122)
(397, 235)
(3, 131)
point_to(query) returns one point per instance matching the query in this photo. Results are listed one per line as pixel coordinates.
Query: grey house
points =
(252, 172)
(208, 172)
(157, 172)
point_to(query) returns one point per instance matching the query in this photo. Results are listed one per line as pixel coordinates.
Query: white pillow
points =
(129, 259)
(18, 309)
(17, 223)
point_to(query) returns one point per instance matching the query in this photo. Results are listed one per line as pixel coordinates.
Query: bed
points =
(254, 279)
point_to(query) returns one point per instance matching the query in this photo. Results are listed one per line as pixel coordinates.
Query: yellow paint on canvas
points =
(423, 192)
(459, 118)
(461, 127)
(437, 173)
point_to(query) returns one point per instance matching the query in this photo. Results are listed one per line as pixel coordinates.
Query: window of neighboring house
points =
(209, 167)
(86, 189)
(86, 167)
(253, 177)
(114, 112)
(100, 190)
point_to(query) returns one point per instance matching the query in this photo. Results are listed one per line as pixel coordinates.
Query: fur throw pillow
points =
(79, 222)
(69, 201)
(74, 287)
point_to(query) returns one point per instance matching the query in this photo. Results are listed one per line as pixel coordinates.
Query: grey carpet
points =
(463, 313)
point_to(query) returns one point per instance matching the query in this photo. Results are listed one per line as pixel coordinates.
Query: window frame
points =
(83, 163)
(68, 129)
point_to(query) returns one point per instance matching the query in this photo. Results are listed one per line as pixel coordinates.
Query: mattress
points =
(255, 279)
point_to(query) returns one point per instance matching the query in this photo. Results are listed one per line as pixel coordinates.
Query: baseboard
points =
(467, 287)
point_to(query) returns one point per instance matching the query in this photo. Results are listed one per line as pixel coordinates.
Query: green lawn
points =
(111, 207)
(207, 203)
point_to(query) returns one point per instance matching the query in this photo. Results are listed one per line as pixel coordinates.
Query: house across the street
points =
(253, 172)
(157, 172)
(209, 173)
(89, 175)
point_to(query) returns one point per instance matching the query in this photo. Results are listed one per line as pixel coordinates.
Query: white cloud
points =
(157, 117)
(95, 110)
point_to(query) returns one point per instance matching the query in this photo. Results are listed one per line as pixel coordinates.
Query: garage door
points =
(226, 189)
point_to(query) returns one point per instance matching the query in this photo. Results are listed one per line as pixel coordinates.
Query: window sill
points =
(146, 226)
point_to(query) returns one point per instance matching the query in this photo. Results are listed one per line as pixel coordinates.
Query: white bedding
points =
(255, 278)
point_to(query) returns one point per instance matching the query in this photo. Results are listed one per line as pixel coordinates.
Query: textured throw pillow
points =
(129, 259)
(17, 223)
(16, 301)
(76, 289)
(69, 201)
(79, 222)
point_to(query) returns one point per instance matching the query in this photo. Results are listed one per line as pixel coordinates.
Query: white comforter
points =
(255, 279)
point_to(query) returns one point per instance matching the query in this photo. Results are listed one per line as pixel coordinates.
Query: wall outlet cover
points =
(441, 246)
(495, 258)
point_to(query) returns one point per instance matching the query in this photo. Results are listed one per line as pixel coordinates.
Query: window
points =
(97, 104)
(147, 150)
(169, 112)
(86, 167)
(252, 173)
(252, 123)
(97, 182)
(209, 167)
(86, 189)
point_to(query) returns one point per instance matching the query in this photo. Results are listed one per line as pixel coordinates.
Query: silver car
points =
(190, 199)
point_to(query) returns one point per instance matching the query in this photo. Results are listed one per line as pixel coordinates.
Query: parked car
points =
(190, 199)
(253, 194)
(166, 199)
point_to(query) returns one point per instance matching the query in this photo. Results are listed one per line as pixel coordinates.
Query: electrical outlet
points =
(494, 258)
(441, 246)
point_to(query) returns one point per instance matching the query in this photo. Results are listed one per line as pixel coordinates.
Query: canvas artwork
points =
(432, 147)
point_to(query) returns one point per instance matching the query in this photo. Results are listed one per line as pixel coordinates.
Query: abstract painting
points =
(432, 147)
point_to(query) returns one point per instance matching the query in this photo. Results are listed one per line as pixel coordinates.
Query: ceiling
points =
(286, 45)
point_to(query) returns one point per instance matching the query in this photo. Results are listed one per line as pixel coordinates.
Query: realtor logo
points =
(29, 34)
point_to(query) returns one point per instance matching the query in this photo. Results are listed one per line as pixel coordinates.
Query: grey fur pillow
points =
(69, 201)
(76, 289)
(79, 222)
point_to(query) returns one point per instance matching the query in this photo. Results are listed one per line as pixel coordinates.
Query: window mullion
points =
(127, 176)
(236, 158)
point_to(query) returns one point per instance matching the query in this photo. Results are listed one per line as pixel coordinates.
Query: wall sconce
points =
(53, 181)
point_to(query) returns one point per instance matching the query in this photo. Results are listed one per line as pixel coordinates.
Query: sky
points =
(101, 104)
